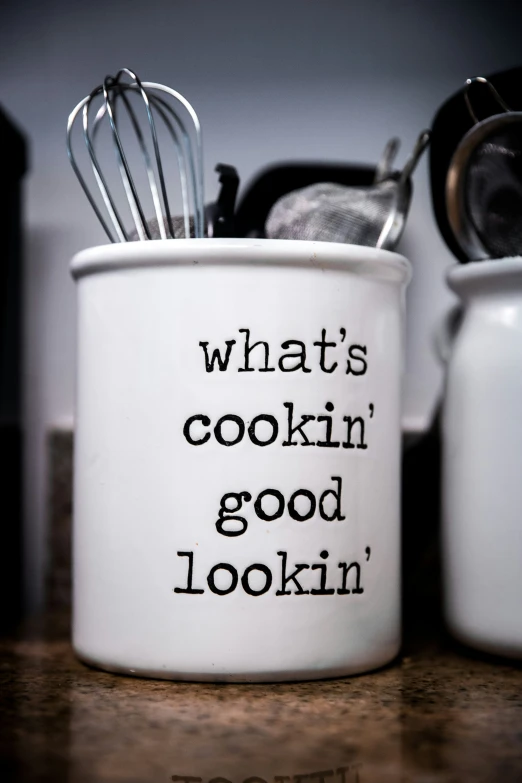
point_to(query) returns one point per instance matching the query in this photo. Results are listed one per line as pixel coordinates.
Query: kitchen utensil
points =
(484, 183)
(219, 215)
(482, 455)
(451, 123)
(162, 108)
(372, 216)
(237, 458)
(384, 167)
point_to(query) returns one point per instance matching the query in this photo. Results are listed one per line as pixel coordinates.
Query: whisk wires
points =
(158, 100)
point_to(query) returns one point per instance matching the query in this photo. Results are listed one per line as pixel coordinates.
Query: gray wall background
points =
(270, 80)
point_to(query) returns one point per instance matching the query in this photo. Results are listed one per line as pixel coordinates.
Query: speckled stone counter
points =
(437, 714)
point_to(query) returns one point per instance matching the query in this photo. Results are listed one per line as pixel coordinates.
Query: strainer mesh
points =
(493, 192)
(328, 212)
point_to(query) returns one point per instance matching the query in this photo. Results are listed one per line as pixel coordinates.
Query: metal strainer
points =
(484, 183)
(329, 212)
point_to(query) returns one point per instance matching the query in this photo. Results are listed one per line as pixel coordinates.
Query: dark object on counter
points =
(421, 559)
(13, 169)
(482, 157)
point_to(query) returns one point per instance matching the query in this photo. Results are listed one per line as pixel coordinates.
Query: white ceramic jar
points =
(482, 465)
(237, 458)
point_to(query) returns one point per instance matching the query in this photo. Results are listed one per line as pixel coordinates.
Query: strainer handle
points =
(481, 80)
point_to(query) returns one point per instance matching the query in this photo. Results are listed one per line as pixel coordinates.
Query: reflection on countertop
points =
(436, 714)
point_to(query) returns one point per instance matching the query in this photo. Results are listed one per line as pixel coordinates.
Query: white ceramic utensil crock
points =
(236, 507)
(482, 434)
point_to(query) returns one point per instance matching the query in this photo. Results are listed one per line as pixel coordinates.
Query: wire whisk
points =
(162, 107)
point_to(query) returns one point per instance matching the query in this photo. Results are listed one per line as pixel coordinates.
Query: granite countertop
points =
(436, 714)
